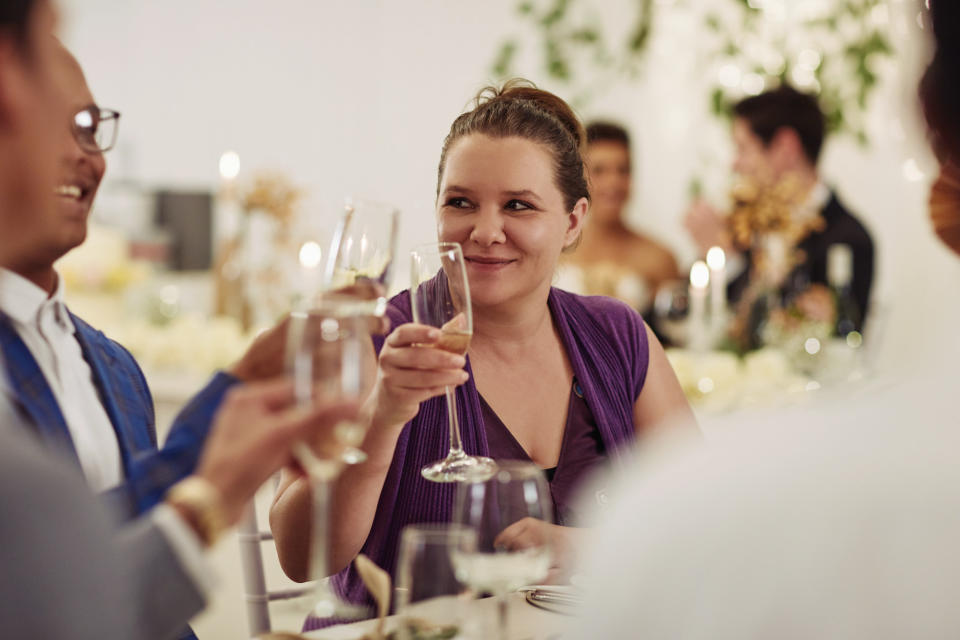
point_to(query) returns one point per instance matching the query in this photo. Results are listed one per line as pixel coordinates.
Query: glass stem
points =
(321, 475)
(456, 447)
(320, 493)
(325, 602)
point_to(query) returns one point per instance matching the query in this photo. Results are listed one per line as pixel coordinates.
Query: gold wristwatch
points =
(201, 504)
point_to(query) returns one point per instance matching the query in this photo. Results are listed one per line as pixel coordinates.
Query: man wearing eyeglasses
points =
(81, 393)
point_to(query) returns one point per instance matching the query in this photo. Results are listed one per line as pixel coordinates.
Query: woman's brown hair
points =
(519, 109)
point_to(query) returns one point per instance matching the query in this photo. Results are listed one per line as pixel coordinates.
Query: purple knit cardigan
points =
(607, 345)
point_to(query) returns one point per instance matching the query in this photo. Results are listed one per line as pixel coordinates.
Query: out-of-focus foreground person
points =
(82, 393)
(839, 521)
(68, 570)
(613, 259)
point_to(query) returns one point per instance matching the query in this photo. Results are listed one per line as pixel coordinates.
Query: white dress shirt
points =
(816, 201)
(45, 327)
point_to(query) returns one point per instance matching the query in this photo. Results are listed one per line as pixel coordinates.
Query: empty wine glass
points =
(440, 297)
(671, 309)
(518, 490)
(330, 359)
(430, 600)
(359, 265)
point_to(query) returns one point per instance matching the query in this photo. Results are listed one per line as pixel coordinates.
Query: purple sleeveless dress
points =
(582, 450)
(606, 343)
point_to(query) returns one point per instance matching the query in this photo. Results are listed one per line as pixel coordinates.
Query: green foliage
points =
(719, 105)
(575, 51)
(573, 45)
(504, 58)
(848, 42)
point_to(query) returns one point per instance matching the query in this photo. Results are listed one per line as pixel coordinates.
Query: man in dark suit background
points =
(777, 133)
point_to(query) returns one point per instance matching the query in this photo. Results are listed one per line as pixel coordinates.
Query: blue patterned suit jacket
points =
(123, 390)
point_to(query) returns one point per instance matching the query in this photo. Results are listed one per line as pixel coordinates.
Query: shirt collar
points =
(814, 204)
(24, 301)
(60, 307)
(818, 198)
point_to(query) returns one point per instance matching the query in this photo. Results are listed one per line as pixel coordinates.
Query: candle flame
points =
(310, 255)
(699, 275)
(229, 165)
(716, 258)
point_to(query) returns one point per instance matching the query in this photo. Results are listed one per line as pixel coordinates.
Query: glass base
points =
(324, 604)
(459, 467)
(352, 455)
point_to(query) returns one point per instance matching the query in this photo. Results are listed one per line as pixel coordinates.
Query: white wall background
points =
(356, 97)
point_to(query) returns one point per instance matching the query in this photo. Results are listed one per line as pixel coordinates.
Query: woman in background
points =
(612, 258)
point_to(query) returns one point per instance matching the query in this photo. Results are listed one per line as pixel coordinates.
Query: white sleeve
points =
(187, 547)
(736, 264)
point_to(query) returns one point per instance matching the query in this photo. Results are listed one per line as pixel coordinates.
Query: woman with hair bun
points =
(563, 380)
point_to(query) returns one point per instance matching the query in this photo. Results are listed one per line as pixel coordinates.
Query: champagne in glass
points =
(330, 359)
(358, 269)
(440, 297)
(360, 260)
(516, 491)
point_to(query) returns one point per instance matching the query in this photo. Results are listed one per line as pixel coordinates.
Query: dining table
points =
(526, 621)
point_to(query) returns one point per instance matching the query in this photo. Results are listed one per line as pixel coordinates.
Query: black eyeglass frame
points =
(86, 140)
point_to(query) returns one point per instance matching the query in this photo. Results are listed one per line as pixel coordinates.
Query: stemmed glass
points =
(428, 596)
(358, 269)
(329, 359)
(329, 355)
(440, 297)
(516, 491)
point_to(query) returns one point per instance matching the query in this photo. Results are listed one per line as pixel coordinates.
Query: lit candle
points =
(227, 215)
(311, 255)
(696, 323)
(229, 166)
(717, 261)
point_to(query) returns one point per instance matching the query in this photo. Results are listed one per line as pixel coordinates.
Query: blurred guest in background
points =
(838, 521)
(613, 259)
(779, 134)
(67, 570)
(562, 380)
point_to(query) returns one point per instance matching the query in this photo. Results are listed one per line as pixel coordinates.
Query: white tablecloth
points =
(526, 622)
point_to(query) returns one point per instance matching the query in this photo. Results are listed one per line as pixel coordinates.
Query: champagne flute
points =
(516, 491)
(327, 360)
(358, 269)
(359, 265)
(440, 297)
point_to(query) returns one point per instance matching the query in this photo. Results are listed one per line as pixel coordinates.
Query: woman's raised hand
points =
(411, 370)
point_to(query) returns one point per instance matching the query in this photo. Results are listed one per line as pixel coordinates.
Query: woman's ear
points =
(577, 218)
